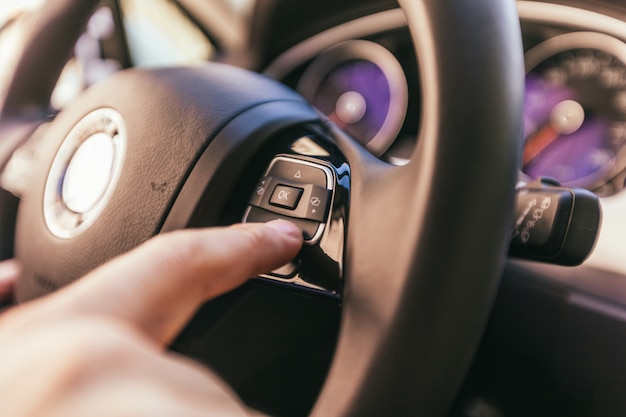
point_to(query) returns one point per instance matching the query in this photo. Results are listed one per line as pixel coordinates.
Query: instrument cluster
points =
(364, 77)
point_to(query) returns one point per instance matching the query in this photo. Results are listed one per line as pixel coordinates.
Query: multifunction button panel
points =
(297, 190)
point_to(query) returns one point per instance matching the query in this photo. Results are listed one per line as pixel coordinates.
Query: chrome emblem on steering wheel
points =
(84, 172)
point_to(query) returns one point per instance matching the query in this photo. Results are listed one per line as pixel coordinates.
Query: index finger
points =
(158, 286)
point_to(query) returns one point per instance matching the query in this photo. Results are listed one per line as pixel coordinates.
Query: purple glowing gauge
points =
(575, 112)
(356, 96)
(361, 87)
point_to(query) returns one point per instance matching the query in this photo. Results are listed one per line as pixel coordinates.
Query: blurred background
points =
(122, 33)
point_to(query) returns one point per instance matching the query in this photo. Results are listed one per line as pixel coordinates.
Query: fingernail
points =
(286, 227)
(9, 270)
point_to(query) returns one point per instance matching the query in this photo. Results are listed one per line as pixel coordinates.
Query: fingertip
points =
(286, 227)
(9, 271)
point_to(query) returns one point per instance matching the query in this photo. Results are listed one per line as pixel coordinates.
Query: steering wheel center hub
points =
(84, 172)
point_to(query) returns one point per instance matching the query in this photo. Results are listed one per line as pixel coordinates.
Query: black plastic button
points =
(298, 172)
(260, 191)
(317, 204)
(311, 202)
(286, 196)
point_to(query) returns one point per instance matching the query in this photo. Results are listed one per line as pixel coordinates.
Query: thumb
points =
(158, 287)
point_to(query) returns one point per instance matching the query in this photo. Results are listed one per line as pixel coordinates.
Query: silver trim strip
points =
(572, 17)
(575, 40)
(310, 48)
(533, 11)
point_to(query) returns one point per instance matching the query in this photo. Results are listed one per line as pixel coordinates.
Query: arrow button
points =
(317, 204)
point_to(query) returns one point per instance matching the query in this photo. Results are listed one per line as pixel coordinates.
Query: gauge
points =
(361, 87)
(575, 113)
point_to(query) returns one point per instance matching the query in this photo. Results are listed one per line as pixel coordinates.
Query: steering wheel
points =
(422, 246)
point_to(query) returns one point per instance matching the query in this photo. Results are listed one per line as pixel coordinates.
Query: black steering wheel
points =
(422, 246)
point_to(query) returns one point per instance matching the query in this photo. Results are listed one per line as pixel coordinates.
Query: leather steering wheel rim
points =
(427, 241)
(407, 353)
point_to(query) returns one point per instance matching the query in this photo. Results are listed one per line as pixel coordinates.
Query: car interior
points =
(457, 168)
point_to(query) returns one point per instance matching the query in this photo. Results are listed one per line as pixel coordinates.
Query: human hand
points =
(97, 347)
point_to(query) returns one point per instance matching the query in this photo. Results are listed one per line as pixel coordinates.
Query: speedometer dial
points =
(575, 114)
(361, 87)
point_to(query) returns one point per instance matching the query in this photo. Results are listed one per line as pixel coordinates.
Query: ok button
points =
(286, 197)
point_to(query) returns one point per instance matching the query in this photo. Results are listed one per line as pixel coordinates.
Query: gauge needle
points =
(566, 118)
(536, 144)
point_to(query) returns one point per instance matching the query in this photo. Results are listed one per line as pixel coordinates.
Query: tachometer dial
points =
(575, 114)
(361, 87)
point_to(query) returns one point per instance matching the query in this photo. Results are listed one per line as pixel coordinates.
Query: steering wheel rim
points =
(425, 317)
(437, 30)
